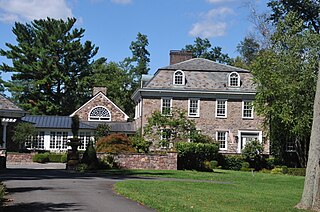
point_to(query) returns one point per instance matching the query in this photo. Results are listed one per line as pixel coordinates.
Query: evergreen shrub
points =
(115, 143)
(191, 156)
(41, 158)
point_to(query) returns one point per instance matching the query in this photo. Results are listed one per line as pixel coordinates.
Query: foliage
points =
(22, 131)
(64, 158)
(115, 143)
(41, 158)
(90, 157)
(202, 48)
(253, 153)
(193, 155)
(245, 166)
(307, 10)
(56, 157)
(297, 171)
(248, 49)
(102, 130)
(51, 66)
(139, 143)
(285, 77)
(215, 192)
(75, 125)
(231, 162)
(176, 127)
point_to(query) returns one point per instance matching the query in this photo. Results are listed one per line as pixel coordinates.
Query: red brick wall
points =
(19, 157)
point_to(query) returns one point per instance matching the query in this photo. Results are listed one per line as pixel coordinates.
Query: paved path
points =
(48, 187)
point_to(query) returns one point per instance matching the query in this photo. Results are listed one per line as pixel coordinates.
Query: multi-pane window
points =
(58, 140)
(178, 78)
(36, 141)
(166, 105)
(221, 108)
(100, 114)
(165, 138)
(193, 109)
(247, 109)
(222, 139)
(234, 79)
(84, 139)
(290, 147)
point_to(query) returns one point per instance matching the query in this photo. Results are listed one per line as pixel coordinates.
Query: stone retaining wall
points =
(145, 161)
(19, 157)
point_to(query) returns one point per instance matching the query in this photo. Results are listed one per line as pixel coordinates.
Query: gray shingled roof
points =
(201, 64)
(8, 109)
(53, 122)
(127, 127)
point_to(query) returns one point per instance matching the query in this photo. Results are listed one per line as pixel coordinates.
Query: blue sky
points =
(113, 24)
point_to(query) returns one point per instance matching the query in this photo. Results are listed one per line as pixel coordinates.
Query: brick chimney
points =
(177, 56)
(98, 89)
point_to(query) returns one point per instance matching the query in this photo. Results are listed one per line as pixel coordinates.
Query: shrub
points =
(140, 144)
(253, 153)
(192, 155)
(245, 166)
(90, 157)
(214, 164)
(231, 162)
(115, 143)
(276, 170)
(265, 171)
(64, 158)
(54, 157)
(297, 171)
(41, 158)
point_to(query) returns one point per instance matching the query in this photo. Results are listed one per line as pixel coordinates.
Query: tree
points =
(202, 48)
(22, 131)
(311, 192)
(166, 129)
(307, 10)
(51, 66)
(285, 76)
(248, 49)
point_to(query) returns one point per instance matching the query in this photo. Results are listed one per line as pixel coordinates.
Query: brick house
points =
(218, 97)
(53, 132)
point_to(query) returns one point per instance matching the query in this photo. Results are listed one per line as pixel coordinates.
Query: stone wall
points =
(145, 161)
(19, 157)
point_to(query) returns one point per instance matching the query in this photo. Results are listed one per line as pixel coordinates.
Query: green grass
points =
(245, 192)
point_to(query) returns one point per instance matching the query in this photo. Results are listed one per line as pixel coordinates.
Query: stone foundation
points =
(19, 157)
(145, 161)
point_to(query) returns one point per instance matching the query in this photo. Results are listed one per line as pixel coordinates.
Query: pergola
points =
(9, 114)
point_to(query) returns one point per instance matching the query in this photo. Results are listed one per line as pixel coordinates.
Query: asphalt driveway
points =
(48, 187)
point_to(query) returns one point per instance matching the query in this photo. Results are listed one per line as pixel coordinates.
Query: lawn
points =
(241, 191)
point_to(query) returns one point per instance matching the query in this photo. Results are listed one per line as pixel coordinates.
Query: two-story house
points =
(218, 97)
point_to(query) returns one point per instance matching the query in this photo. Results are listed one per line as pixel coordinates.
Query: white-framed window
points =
(234, 79)
(36, 141)
(194, 108)
(166, 106)
(290, 146)
(247, 109)
(178, 78)
(99, 113)
(84, 138)
(58, 140)
(165, 138)
(221, 137)
(221, 108)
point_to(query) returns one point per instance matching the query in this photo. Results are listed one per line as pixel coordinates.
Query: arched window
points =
(234, 79)
(178, 78)
(99, 114)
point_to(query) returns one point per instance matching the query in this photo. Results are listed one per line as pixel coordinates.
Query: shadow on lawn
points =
(40, 206)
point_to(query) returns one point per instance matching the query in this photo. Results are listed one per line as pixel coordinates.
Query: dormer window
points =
(99, 114)
(178, 78)
(234, 79)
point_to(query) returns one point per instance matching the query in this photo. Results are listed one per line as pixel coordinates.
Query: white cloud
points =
(19, 10)
(213, 24)
(122, 1)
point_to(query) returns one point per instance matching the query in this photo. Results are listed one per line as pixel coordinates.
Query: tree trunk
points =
(311, 192)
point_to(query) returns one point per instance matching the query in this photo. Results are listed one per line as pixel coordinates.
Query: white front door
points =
(247, 136)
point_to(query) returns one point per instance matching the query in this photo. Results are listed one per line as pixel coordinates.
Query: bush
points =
(231, 162)
(245, 166)
(297, 171)
(214, 164)
(64, 158)
(140, 144)
(192, 155)
(115, 143)
(55, 157)
(253, 154)
(276, 170)
(90, 157)
(41, 158)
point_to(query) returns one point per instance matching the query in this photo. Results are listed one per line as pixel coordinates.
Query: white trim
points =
(226, 137)
(251, 117)
(198, 107)
(225, 108)
(240, 132)
(183, 77)
(161, 106)
(100, 93)
(90, 117)
(238, 81)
